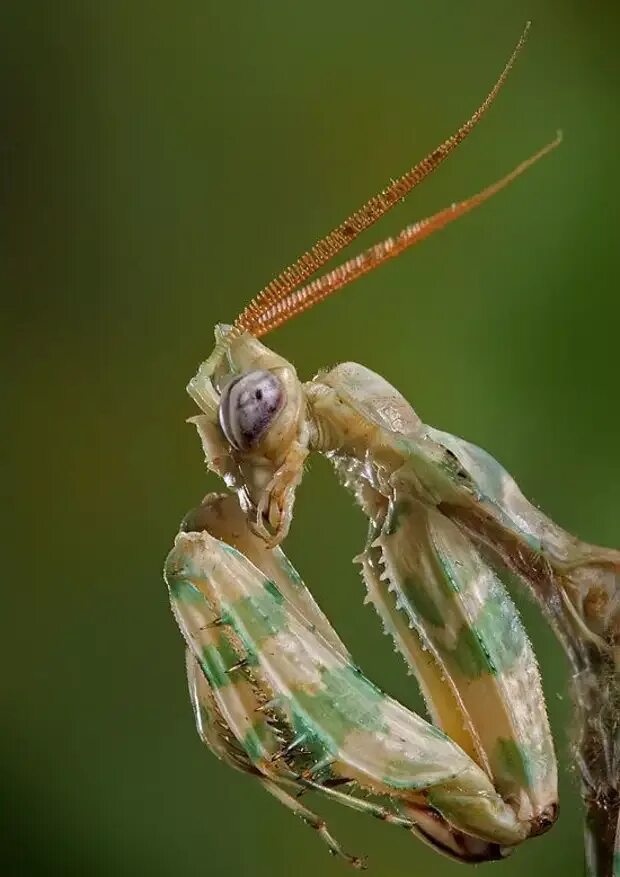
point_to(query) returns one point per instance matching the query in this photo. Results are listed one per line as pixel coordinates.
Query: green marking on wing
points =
(430, 597)
(272, 589)
(514, 761)
(346, 701)
(426, 580)
(249, 644)
(258, 742)
(500, 627)
(450, 575)
(258, 617)
(183, 591)
(305, 722)
(358, 698)
(422, 601)
(494, 642)
(216, 661)
(497, 638)
(317, 742)
(472, 655)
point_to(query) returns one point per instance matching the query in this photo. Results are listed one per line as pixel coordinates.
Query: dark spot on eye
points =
(248, 406)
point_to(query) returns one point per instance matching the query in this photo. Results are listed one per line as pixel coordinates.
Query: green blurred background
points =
(160, 162)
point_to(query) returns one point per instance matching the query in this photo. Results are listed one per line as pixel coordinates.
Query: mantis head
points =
(254, 427)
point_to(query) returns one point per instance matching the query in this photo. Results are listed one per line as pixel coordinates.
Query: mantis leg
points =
(441, 600)
(446, 607)
(294, 804)
(303, 712)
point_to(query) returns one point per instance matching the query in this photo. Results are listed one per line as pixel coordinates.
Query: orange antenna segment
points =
(301, 299)
(328, 247)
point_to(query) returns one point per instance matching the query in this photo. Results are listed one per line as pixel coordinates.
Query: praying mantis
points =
(274, 690)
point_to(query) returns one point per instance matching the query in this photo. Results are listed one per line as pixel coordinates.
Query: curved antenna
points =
(301, 299)
(328, 247)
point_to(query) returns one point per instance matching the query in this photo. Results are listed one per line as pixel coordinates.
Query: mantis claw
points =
(274, 510)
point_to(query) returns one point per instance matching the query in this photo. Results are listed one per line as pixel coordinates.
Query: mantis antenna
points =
(300, 300)
(288, 281)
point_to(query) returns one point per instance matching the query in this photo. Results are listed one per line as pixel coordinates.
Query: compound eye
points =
(248, 406)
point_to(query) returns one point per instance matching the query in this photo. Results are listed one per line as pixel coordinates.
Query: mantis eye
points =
(248, 406)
